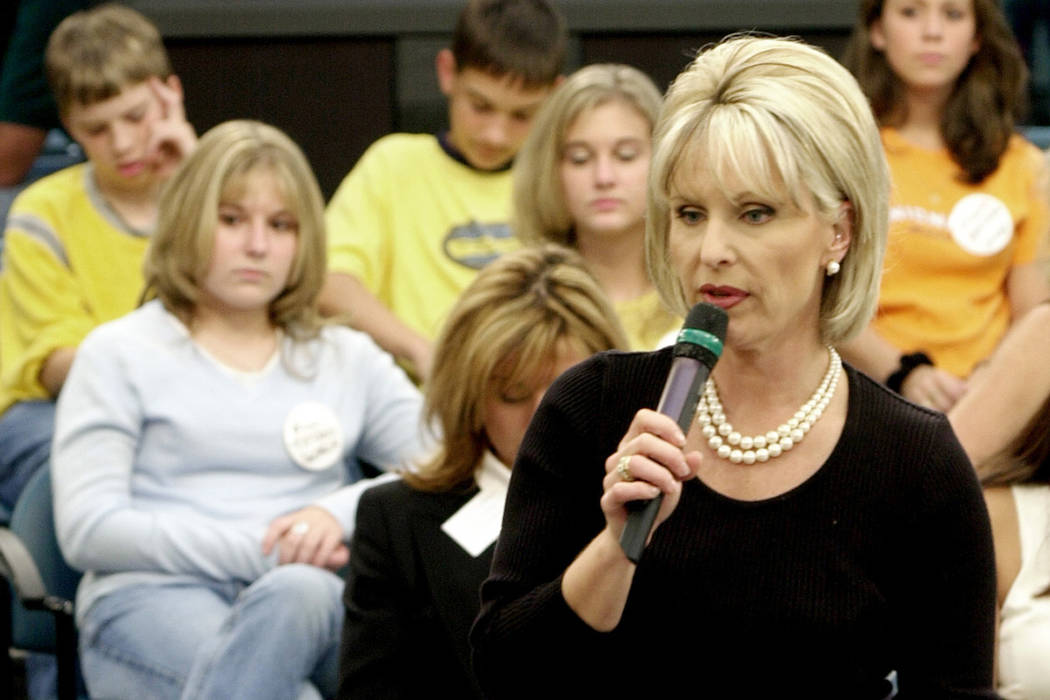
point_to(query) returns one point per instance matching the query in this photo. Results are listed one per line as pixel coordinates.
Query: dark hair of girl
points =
(986, 102)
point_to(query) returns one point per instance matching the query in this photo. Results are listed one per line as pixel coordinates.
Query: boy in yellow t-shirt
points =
(74, 241)
(419, 214)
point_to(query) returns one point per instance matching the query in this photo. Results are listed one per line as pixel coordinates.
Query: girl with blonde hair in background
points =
(206, 443)
(579, 181)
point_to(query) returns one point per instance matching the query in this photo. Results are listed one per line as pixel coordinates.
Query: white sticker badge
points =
(313, 436)
(981, 224)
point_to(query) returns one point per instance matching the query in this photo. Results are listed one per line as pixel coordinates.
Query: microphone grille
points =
(705, 326)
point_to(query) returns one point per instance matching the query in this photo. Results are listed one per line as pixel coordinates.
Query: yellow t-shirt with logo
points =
(951, 247)
(69, 264)
(415, 226)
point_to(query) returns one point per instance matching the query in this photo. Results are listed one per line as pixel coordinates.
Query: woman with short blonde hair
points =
(775, 135)
(809, 518)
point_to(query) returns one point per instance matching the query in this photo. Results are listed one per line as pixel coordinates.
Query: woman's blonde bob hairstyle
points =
(181, 247)
(539, 201)
(791, 122)
(505, 331)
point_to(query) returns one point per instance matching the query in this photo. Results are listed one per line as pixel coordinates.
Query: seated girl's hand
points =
(653, 463)
(308, 536)
(933, 387)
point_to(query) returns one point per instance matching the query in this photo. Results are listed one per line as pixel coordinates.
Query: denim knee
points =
(113, 667)
(282, 630)
(298, 596)
(141, 640)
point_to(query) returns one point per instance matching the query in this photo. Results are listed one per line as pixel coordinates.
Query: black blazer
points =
(411, 597)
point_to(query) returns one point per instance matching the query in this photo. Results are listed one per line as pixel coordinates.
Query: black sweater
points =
(881, 561)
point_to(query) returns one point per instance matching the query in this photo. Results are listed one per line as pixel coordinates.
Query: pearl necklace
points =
(729, 444)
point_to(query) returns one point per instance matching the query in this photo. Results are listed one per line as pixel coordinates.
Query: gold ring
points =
(623, 468)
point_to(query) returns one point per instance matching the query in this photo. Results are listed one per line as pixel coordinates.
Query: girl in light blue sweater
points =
(206, 444)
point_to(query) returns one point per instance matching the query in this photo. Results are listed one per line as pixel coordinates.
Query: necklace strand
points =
(729, 444)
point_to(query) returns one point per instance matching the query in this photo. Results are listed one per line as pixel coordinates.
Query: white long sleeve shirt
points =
(167, 464)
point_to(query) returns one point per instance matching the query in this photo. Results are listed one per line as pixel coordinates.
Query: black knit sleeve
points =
(552, 512)
(937, 572)
(948, 587)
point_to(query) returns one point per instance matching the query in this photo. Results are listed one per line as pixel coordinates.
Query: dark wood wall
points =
(338, 74)
(332, 96)
(663, 56)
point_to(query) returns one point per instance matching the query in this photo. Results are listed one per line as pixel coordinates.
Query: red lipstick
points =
(723, 296)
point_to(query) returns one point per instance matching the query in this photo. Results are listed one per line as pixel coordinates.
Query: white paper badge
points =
(981, 224)
(313, 436)
(476, 525)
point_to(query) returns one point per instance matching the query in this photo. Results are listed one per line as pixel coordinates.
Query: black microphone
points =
(696, 351)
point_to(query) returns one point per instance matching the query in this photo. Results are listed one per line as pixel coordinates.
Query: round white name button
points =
(313, 436)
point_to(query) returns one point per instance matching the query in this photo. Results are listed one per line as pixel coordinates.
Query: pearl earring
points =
(833, 268)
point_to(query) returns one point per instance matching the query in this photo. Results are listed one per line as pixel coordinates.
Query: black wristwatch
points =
(908, 363)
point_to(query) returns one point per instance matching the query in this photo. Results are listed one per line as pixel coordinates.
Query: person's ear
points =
(842, 229)
(445, 66)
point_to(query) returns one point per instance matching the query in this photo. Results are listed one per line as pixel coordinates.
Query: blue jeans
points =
(276, 638)
(25, 446)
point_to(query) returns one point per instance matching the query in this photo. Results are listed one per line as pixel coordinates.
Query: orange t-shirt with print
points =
(951, 247)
